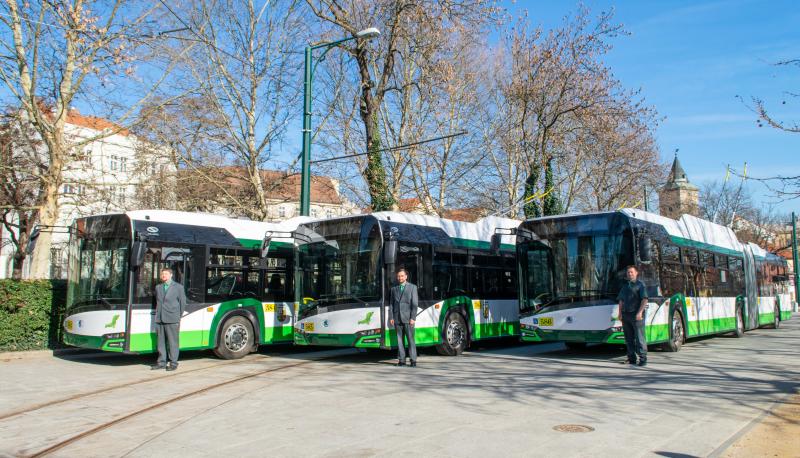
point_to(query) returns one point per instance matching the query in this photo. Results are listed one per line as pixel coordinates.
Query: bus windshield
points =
(338, 263)
(574, 261)
(98, 273)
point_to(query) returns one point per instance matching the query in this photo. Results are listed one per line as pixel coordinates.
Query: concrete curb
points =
(35, 354)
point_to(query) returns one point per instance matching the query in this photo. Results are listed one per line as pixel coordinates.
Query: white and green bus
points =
(701, 280)
(237, 275)
(346, 267)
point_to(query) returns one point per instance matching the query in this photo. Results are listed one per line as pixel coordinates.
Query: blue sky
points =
(691, 59)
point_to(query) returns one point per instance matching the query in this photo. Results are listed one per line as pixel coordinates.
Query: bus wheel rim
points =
(455, 334)
(677, 329)
(236, 337)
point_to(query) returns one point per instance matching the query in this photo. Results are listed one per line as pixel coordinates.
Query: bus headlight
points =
(116, 335)
(368, 332)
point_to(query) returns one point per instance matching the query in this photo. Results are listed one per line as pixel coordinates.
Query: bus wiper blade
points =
(105, 302)
(352, 296)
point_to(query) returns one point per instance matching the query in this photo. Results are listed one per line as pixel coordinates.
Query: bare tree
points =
(785, 187)
(393, 65)
(57, 53)
(19, 188)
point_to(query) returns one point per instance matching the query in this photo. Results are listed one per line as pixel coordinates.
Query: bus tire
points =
(576, 345)
(236, 338)
(739, 332)
(677, 333)
(455, 336)
(776, 320)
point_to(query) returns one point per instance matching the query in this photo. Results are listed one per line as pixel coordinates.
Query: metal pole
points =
(646, 208)
(305, 182)
(795, 266)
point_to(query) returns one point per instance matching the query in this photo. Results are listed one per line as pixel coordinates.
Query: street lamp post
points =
(305, 180)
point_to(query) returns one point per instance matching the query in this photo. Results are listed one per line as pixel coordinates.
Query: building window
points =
(123, 164)
(313, 212)
(113, 163)
(73, 189)
(281, 211)
(329, 213)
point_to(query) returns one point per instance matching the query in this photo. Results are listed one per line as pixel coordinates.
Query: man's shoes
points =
(156, 367)
(413, 364)
(172, 367)
(401, 364)
(643, 363)
(631, 362)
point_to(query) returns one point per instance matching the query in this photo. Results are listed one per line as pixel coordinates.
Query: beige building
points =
(678, 196)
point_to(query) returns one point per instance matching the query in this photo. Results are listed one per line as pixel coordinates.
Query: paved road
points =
(500, 400)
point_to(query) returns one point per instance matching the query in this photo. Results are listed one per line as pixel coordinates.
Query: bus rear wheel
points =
(676, 333)
(235, 339)
(454, 335)
(739, 332)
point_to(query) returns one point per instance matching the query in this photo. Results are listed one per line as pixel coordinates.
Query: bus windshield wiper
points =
(105, 302)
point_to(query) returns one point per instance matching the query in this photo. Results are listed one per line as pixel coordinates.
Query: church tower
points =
(678, 196)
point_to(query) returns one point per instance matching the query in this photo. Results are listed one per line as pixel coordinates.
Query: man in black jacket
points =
(404, 301)
(632, 300)
(170, 305)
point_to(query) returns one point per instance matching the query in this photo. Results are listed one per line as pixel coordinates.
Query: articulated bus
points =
(346, 266)
(237, 277)
(700, 279)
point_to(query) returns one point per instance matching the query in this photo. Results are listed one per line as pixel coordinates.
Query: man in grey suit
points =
(404, 301)
(170, 306)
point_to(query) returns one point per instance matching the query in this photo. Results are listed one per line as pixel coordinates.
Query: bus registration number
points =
(308, 327)
(546, 321)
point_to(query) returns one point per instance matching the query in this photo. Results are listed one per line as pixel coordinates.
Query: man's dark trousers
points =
(170, 305)
(405, 329)
(634, 336)
(167, 333)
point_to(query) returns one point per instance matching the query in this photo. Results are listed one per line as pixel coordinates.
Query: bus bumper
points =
(107, 342)
(536, 334)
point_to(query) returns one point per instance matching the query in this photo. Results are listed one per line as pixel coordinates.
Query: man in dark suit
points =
(170, 306)
(404, 301)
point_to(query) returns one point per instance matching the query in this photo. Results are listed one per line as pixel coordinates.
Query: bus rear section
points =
(346, 268)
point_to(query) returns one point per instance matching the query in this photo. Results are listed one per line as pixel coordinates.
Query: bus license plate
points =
(308, 327)
(546, 321)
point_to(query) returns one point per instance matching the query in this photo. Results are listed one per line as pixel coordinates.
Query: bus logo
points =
(367, 318)
(325, 323)
(152, 229)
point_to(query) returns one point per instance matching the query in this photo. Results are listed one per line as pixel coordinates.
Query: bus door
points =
(409, 257)
(751, 288)
(186, 264)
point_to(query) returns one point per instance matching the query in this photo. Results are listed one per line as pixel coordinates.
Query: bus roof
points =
(241, 229)
(482, 229)
(691, 228)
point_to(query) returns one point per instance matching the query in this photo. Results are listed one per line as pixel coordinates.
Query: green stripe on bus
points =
(712, 326)
(704, 246)
(253, 243)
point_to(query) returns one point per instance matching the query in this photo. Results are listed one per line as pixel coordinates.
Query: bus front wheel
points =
(235, 339)
(454, 335)
(676, 333)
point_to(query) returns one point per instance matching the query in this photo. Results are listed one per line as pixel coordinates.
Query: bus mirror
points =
(389, 251)
(645, 249)
(495, 243)
(265, 244)
(138, 250)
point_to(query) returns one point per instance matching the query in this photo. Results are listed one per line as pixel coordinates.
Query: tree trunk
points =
(551, 204)
(532, 209)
